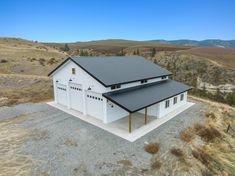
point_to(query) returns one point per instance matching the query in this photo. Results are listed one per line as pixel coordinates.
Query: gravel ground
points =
(61, 144)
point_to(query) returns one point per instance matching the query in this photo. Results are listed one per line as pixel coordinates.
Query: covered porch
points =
(133, 121)
(140, 98)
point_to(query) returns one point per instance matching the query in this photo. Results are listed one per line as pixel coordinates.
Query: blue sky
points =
(83, 20)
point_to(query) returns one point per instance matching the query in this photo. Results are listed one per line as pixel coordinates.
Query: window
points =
(143, 81)
(167, 103)
(181, 97)
(117, 86)
(73, 71)
(163, 77)
(175, 100)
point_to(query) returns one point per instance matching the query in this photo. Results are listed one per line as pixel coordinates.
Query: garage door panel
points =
(95, 105)
(61, 92)
(76, 100)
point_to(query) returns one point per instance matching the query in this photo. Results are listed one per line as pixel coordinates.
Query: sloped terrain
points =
(209, 69)
(222, 56)
(24, 66)
(37, 139)
(115, 47)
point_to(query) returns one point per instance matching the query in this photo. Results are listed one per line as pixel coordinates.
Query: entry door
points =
(76, 101)
(61, 92)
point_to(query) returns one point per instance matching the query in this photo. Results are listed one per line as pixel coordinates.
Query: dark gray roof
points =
(136, 98)
(110, 70)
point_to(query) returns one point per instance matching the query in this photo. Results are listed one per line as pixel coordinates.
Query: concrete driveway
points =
(60, 144)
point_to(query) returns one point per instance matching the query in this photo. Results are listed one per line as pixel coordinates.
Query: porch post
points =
(145, 116)
(130, 123)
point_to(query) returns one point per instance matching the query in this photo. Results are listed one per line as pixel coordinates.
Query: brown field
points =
(24, 66)
(223, 56)
(115, 46)
(217, 153)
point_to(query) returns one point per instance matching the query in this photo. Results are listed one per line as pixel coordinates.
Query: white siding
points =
(137, 83)
(114, 112)
(64, 74)
(163, 111)
(103, 110)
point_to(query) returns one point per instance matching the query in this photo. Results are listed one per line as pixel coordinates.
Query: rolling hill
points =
(24, 64)
(206, 43)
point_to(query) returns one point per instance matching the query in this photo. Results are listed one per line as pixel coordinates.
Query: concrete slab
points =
(120, 127)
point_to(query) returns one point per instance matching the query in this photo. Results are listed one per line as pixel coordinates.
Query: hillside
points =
(206, 43)
(25, 64)
(223, 56)
(18, 56)
(113, 47)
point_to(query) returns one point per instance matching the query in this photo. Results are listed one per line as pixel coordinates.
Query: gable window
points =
(175, 100)
(143, 81)
(167, 103)
(73, 71)
(181, 97)
(117, 86)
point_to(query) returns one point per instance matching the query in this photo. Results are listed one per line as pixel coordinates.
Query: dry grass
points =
(125, 163)
(210, 115)
(17, 89)
(40, 135)
(207, 173)
(207, 133)
(152, 148)
(217, 155)
(187, 135)
(177, 152)
(203, 157)
(222, 56)
(156, 164)
(12, 161)
(71, 142)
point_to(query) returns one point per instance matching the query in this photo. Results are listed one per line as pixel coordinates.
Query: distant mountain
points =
(207, 43)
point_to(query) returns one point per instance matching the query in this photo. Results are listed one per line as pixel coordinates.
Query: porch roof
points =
(136, 98)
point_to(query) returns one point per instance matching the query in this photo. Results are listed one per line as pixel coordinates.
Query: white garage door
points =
(94, 105)
(76, 97)
(61, 91)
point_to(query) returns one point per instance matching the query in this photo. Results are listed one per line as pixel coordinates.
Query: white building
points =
(111, 88)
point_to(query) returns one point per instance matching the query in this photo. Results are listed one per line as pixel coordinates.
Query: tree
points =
(65, 48)
(219, 96)
(137, 51)
(231, 98)
(153, 52)
(83, 53)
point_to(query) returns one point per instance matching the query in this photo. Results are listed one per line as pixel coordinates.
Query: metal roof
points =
(136, 98)
(110, 70)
